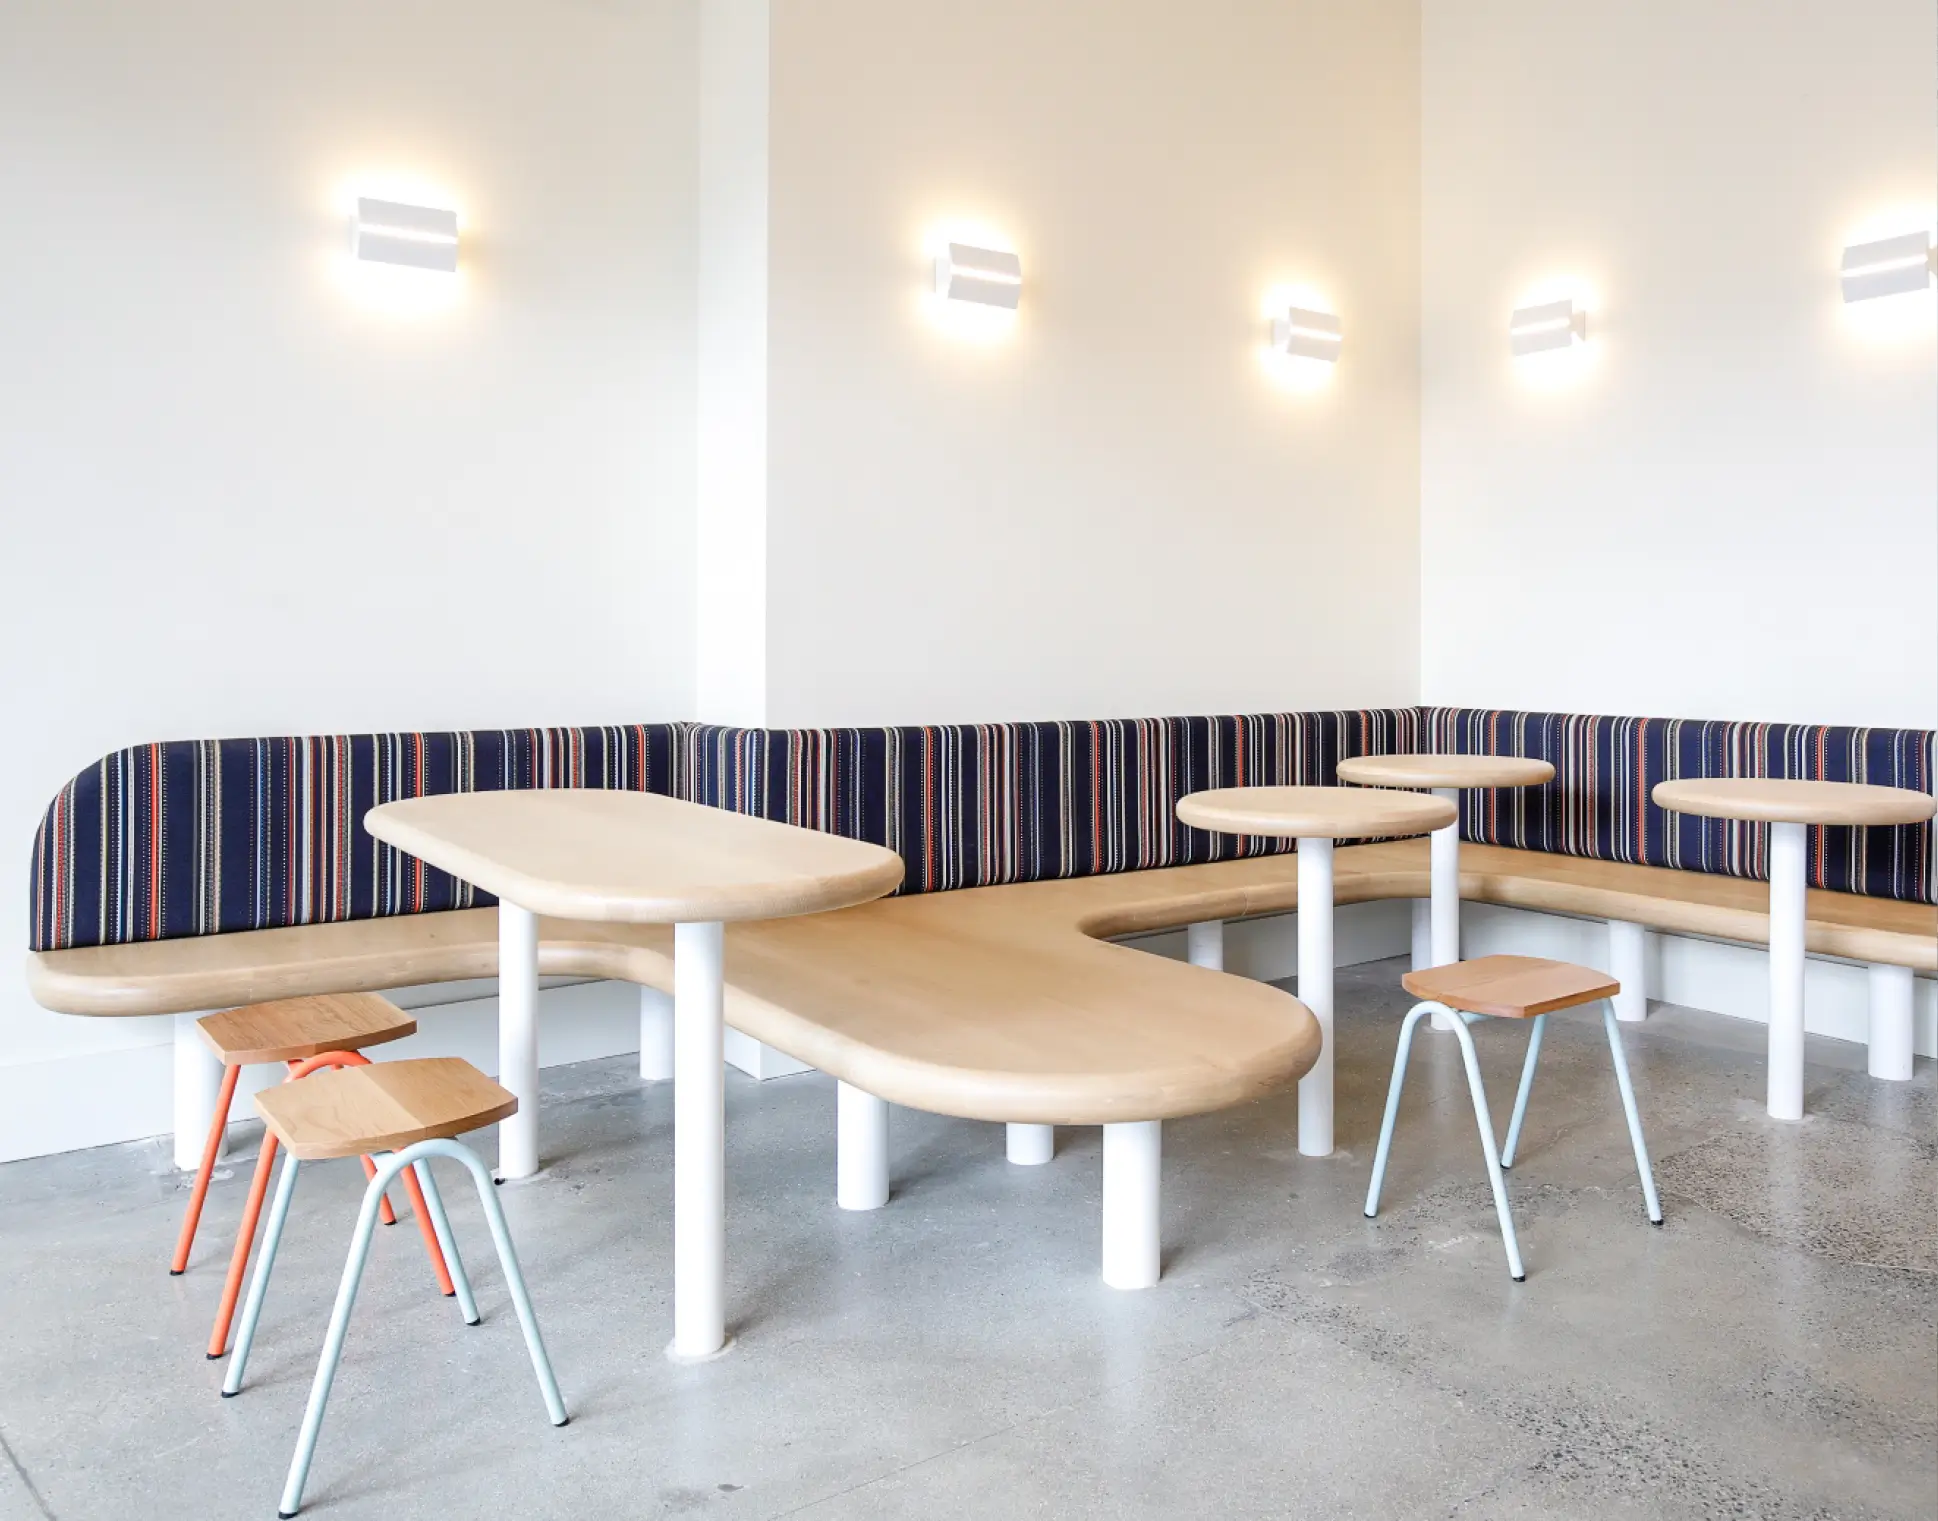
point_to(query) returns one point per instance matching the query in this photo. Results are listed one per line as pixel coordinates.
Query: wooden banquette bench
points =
(176, 878)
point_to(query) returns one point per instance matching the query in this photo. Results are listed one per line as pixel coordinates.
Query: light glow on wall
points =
(1569, 361)
(392, 289)
(1901, 316)
(967, 322)
(1300, 373)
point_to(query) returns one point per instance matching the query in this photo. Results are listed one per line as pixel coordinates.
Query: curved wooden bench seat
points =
(992, 1003)
(217, 971)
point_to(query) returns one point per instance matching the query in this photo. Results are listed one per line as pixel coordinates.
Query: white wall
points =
(1113, 511)
(236, 499)
(1726, 505)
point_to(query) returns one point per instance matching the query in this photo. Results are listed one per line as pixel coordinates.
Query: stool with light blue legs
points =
(360, 1109)
(1508, 987)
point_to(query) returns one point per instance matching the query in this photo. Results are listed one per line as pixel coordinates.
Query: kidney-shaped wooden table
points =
(637, 858)
(1315, 817)
(1790, 808)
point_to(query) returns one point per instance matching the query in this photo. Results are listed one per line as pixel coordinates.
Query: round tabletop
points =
(1445, 771)
(1315, 813)
(634, 857)
(1771, 800)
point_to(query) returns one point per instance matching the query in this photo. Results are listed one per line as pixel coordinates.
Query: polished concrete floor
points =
(1772, 1352)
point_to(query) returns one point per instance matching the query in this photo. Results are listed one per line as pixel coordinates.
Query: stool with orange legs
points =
(307, 1035)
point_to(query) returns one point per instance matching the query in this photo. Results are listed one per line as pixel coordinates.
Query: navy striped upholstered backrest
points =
(205, 836)
(1605, 768)
(971, 805)
(197, 837)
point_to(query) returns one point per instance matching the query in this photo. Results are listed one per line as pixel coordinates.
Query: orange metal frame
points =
(259, 1188)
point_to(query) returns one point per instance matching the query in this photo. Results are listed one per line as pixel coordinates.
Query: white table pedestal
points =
(518, 1038)
(1787, 854)
(699, 1140)
(1315, 991)
(1444, 905)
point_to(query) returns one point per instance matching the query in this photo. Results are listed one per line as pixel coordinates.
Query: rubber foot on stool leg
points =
(212, 1357)
(1520, 1277)
(175, 1272)
(228, 1394)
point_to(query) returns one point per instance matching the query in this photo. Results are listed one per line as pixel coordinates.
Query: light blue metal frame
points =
(418, 1157)
(1498, 1163)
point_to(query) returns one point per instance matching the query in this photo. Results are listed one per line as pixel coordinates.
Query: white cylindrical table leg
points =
(699, 1142)
(1315, 992)
(518, 1038)
(1029, 1145)
(1204, 944)
(1628, 964)
(860, 1149)
(1444, 906)
(655, 1036)
(1422, 956)
(198, 1083)
(1787, 851)
(1133, 1162)
(1891, 1023)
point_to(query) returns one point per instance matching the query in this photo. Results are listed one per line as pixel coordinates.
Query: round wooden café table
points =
(1448, 776)
(1790, 808)
(1315, 817)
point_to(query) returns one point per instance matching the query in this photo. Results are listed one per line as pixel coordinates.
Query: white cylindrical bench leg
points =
(1891, 1023)
(198, 1083)
(1133, 1161)
(1422, 934)
(1444, 906)
(860, 1149)
(699, 1139)
(1787, 867)
(518, 1038)
(1315, 992)
(1628, 964)
(655, 1036)
(1029, 1145)
(1204, 944)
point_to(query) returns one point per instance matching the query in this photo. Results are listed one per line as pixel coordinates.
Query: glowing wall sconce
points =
(1889, 267)
(1551, 325)
(986, 276)
(390, 232)
(1308, 334)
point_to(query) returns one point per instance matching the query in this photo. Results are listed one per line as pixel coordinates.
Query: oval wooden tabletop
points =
(1773, 800)
(1445, 771)
(634, 857)
(1314, 813)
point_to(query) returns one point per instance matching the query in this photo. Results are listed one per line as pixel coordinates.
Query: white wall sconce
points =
(390, 232)
(1308, 334)
(1889, 267)
(983, 275)
(1551, 325)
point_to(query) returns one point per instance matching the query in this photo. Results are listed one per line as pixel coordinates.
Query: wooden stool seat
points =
(292, 1028)
(383, 1107)
(1510, 987)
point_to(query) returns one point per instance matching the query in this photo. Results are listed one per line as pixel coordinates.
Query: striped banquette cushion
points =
(1605, 769)
(198, 837)
(207, 836)
(970, 805)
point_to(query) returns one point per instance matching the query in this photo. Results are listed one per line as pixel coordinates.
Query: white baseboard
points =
(1719, 976)
(1267, 949)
